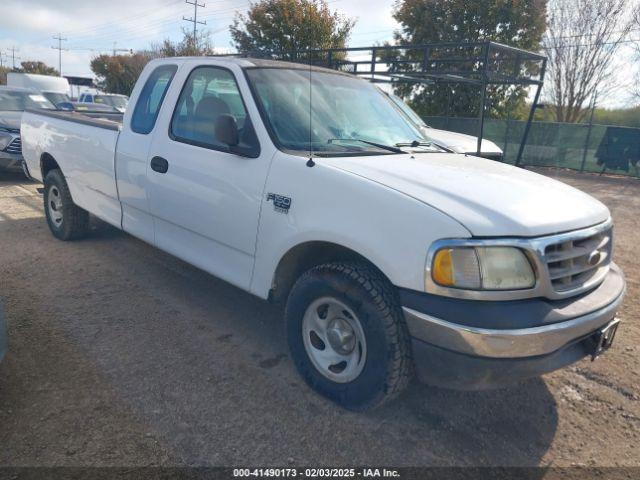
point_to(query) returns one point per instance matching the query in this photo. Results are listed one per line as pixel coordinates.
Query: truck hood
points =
(460, 142)
(10, 119)
(487, 197)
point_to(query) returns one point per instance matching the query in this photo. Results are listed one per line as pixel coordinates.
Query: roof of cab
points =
(248, 62)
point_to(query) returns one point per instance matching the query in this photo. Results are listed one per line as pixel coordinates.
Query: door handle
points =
(159, 164)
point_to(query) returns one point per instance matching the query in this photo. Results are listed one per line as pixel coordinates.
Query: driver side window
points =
(208, 93)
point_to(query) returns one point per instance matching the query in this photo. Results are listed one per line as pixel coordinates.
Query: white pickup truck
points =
(307, 186)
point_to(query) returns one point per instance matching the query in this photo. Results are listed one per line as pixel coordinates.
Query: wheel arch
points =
(304, 256)
(47, 163)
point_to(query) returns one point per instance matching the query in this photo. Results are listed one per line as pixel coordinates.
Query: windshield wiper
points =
(418, 143)
(378, 145)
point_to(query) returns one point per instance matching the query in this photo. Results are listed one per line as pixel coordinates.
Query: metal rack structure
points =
(473, 63)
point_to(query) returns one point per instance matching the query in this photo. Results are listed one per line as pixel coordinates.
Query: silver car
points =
(13, 101)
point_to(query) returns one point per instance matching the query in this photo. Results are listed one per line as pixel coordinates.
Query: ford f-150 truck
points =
(309, 187)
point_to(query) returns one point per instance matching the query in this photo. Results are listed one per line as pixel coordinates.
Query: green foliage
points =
(185, 47)
(28, 66)
(3, 75)
(119, 73)
(37, 67)
(624, 117)
(627, 117)
(283, 26)
(518, 23)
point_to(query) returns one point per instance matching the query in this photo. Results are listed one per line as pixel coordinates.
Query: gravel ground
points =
(121, 355)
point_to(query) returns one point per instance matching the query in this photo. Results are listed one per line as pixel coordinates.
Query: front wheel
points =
(347, 335)
(66, 220)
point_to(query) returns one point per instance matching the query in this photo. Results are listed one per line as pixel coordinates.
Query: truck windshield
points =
(18, 101)
(331, 114)
(407, 110)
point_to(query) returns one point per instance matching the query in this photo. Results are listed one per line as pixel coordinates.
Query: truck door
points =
(205, 200)
(133, 149)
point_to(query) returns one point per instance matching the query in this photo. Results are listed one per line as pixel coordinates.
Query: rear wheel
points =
(347, 335)
(66, 220)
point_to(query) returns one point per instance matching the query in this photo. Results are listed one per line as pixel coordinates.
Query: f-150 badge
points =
(280, 202)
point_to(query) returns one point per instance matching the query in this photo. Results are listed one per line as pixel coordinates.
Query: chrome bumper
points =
(511, 343)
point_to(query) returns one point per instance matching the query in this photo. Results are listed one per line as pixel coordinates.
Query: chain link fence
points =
(582, 147)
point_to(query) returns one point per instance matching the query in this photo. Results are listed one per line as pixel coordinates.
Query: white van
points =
(54, 89)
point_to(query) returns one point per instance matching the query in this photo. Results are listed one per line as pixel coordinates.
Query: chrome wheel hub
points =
(54, 205)
(341, 336)
(334, 340)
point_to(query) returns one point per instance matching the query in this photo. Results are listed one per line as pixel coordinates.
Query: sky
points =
(91, 27)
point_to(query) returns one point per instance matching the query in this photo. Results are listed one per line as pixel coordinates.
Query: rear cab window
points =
(150, 99)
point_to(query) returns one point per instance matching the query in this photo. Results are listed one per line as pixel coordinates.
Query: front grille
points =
(14, 147)
(576, 261)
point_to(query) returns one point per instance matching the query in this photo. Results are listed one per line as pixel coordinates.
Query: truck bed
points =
(110, 121)
(84, 147)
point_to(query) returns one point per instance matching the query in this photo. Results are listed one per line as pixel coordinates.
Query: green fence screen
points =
(564, 145)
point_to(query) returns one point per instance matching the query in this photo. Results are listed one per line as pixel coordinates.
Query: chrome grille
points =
(14, 147)
(576, 261)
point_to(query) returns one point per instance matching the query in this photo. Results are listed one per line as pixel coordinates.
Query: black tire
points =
(74, 223)
(388, 365)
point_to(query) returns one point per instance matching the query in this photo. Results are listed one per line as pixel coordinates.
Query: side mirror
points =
(226, 130)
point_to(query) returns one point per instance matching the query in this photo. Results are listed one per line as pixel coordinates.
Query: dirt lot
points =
(122, 355)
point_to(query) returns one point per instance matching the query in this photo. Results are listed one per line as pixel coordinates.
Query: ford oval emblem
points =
(594, 258)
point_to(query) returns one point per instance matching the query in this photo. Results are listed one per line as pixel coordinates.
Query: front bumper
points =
(534, 337)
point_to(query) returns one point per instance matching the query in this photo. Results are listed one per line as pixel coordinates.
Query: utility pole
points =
(59, 48)
(13, 57)
(195, 21)
(116, 50)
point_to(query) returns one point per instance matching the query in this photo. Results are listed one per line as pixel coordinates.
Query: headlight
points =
(5, 139)
(482, 268)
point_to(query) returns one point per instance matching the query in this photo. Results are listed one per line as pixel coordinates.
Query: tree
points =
(38, 67)
(634, 88)
(284, 26)
(518, 23)
(3, 75)
(186, 47)
(119, 73)
(581, 43)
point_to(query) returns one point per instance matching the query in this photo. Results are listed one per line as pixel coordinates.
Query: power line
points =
(141, 28)
(558, 47)
(135, 20)
(59, 48)
(13, 50)
(194, 20)
(133, 16)
(116, 50)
